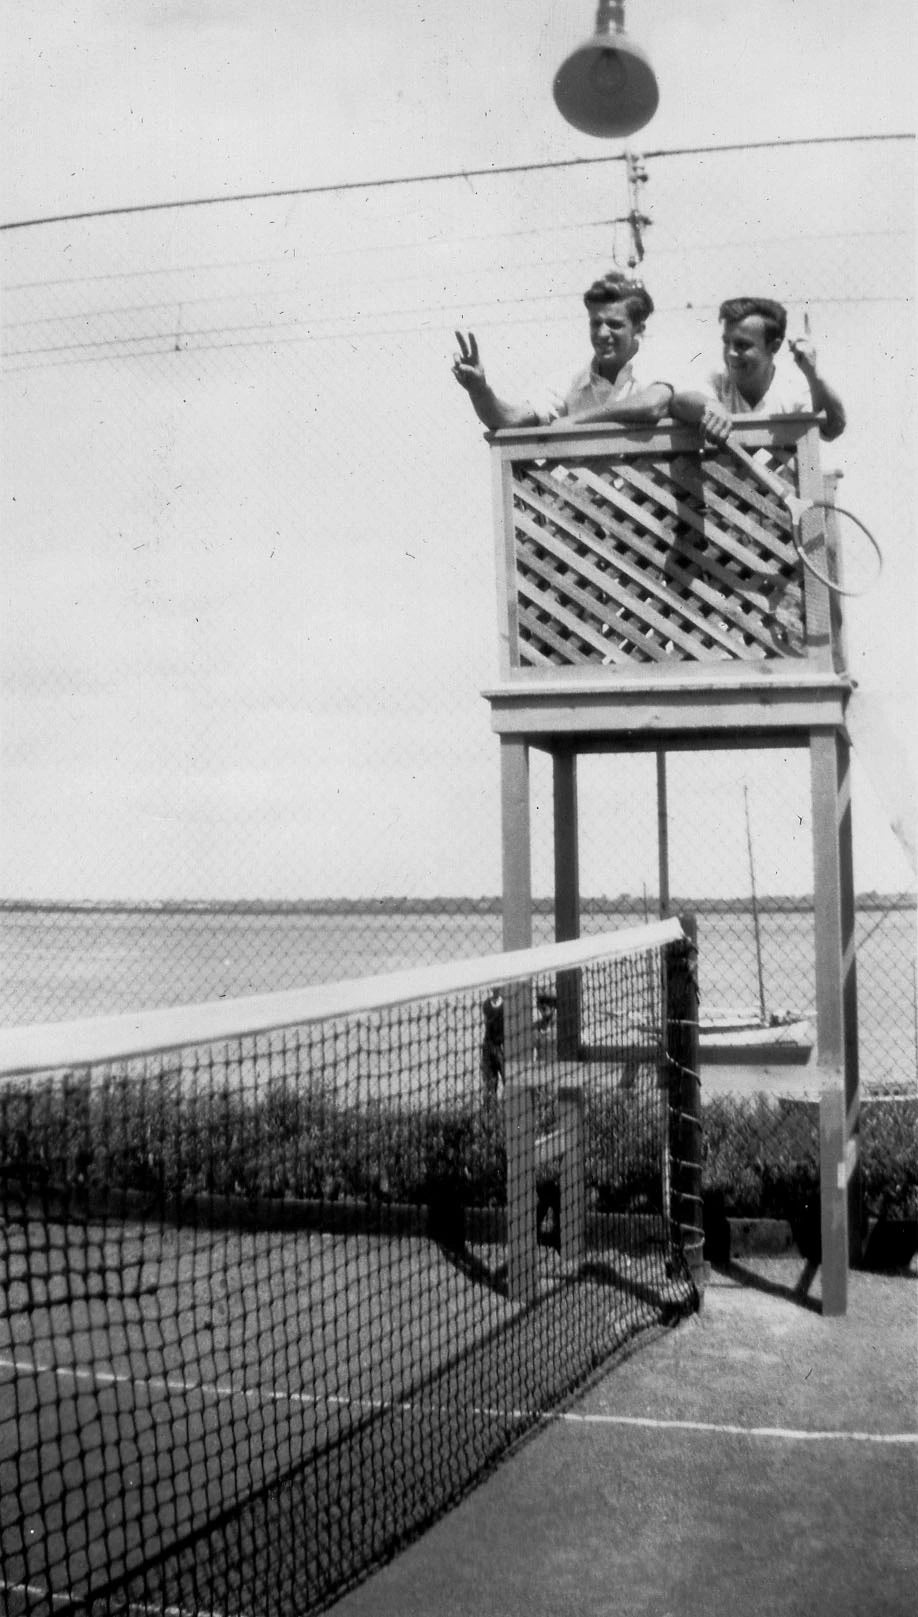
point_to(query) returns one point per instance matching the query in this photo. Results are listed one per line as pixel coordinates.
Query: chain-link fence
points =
(251, 600)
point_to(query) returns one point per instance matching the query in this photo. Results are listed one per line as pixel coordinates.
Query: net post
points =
(519, 1119)
(573, 1181)
(682, 1048)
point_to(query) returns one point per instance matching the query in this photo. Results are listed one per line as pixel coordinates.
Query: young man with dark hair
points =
(613, 387)
(750, 382)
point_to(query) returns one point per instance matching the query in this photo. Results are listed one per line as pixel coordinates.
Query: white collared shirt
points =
(591, 390)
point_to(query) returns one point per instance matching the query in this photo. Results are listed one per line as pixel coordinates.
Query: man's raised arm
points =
(826, 402)
(492, 411)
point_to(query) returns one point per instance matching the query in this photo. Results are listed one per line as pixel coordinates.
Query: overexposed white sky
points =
(111, 105)
(107, 104)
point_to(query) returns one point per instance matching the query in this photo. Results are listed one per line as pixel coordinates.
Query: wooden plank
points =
(567, 894)
(833, 1198)
(585, 440)
(849, 991)
(573, 1177)
(502, 505)
(603, 438)
(534, 708)
(516, 857)
(522, 1251)
(662, 833)
(836, 1028)
(836, 606)
(566, 844)
(816, 593)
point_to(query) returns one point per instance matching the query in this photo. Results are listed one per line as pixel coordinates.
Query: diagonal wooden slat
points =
(640, 605)
(725, 473)
(575, 495)
(773, 536)
(559, 615)
(686, 580)
(699, 522)
(609, 614)
(765, 627)
(706, 561)
(676, 486)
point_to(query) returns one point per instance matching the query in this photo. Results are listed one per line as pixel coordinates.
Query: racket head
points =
(838, 548)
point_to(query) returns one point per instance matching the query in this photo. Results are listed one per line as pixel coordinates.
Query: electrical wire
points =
(426, 179)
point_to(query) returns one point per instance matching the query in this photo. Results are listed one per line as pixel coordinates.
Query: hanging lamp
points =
(607, 86)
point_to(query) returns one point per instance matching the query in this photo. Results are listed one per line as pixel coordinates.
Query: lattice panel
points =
(654, 559)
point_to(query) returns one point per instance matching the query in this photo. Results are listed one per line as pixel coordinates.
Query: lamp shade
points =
(607, 86)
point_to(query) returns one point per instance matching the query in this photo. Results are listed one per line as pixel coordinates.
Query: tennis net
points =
(284, 1275)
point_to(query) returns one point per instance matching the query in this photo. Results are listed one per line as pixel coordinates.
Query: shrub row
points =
(761, 1157)
(170, 1141)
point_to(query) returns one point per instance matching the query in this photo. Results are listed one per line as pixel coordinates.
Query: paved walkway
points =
(759, 1459)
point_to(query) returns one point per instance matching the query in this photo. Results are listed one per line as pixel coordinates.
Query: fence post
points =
(682, 1049)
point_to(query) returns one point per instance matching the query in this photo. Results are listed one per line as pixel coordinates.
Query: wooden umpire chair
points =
(650, 597)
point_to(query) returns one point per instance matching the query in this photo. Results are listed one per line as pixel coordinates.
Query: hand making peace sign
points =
(467, 367)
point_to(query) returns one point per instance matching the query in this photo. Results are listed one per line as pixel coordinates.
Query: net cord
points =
(55, 1045)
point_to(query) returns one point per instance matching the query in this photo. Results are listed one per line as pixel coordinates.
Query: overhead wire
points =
(180, 341)
(341, 186)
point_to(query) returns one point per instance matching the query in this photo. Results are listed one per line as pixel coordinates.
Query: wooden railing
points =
(635, 550)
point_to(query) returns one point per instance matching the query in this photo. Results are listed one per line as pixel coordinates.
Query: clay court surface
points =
(756, 1459)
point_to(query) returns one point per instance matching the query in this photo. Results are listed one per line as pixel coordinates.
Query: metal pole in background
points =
(662, 835)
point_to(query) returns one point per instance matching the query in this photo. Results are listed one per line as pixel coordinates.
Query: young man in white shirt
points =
(750, 382)
(614, 387)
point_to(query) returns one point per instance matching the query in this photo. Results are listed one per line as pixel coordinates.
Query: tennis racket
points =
(832, 543)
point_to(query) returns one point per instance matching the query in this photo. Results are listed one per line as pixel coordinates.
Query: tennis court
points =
(760, 1459)
(165, 1390)
(260, 1333)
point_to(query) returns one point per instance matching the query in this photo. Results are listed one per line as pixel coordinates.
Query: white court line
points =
(545, 1417)
(208, 1389)
(35, 1593)
(782, 1433)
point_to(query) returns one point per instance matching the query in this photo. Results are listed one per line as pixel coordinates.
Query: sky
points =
(107, 104)
(110, 106)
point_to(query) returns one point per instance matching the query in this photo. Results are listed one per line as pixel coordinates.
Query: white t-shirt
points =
(788, 393)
